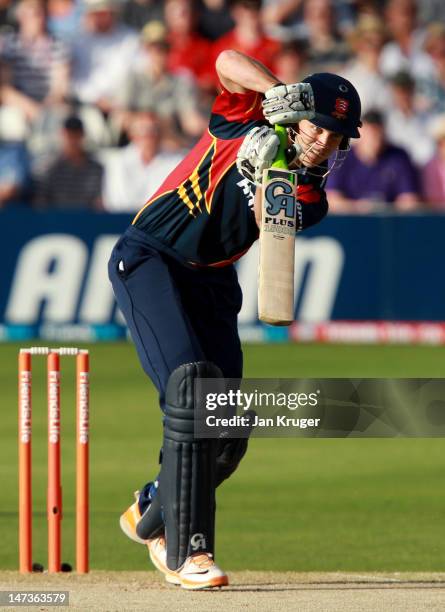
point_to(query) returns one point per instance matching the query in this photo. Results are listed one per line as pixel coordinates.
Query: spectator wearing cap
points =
(153, 87)
(135, 172)
(366, 41)
(34, 66)
(374, 174)
(433, 174)
(74, 180)
(102, 54)
(248, 35)
(189, 51)
(406, 126)
(405, 49)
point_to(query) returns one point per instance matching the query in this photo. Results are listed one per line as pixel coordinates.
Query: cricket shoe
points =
(156, 546)
(198, 572)
(130, 518)
(158, 555)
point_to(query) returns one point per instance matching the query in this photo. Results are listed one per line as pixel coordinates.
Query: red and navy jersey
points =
(203, 212)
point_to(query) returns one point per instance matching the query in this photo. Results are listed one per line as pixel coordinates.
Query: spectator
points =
(433, 86)
(374, 173)
(102, 53)
(6, 18)
(367, 40)
(14, 173)
(283, 19)
(153, 87)
(430, 11)
(327, 51)
(214, 18)
(374, 8)
(74, 181)
(136, 13)
(433, 174)
(188, 50)
(248, 35)
(350, 11)
(370, 7)
(290, 63)
(407, 127)
(405, 50)
(64, 19)
(134, 173)
(13, 124)
(35, 70)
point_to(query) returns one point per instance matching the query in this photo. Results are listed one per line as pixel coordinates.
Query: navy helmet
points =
(337, 104)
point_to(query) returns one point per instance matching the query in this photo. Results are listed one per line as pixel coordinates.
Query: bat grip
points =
(280, 159)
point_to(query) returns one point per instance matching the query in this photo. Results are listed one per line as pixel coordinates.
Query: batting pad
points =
(188, 469)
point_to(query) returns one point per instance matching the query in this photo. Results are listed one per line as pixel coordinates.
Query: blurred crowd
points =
(100, 99)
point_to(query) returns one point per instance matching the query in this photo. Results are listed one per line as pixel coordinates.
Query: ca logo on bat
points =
(280, 196)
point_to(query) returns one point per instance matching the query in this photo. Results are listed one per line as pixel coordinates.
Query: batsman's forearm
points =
(240, 73)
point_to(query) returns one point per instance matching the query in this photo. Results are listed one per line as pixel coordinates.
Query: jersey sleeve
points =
(234, 114)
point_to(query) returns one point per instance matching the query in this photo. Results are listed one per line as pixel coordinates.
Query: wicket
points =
(54, 491)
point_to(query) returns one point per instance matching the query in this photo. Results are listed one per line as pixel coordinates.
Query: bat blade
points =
(277, 247)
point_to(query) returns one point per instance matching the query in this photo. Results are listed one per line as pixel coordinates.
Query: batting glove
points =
(257, 152)
(289, 103)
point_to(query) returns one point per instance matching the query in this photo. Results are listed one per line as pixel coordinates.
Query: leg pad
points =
(188, 472)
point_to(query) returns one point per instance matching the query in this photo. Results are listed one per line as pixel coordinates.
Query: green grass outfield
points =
(308, 504)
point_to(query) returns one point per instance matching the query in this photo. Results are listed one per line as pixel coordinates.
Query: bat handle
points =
(280, 159)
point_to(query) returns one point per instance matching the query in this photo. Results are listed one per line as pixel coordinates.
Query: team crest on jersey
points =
(341, 108)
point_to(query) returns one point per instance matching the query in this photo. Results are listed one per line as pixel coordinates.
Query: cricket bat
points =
(277, 240)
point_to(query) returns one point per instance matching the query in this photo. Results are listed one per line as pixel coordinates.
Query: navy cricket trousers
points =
(175, 314)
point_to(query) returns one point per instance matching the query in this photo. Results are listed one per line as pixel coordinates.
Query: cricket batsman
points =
(174, 280)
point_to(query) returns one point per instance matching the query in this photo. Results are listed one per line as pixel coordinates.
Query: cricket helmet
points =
(337, 104)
